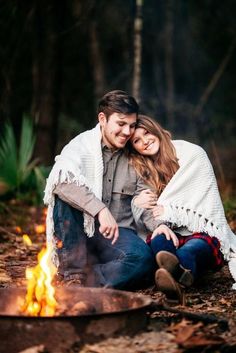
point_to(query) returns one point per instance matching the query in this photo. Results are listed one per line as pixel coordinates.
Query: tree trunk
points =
(214, 80)
(169, 64)
(46, 81)
(96, 61)
(138, 24)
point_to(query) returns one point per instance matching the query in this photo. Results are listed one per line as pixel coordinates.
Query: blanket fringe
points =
(182, 216)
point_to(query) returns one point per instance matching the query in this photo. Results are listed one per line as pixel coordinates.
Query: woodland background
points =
(57, 58)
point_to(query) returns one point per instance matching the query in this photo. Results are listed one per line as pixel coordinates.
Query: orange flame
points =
(17, 229)
(40, 228)
(40, 300)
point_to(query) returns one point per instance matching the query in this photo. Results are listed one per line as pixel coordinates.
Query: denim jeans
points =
(195, 255)
(127, 264)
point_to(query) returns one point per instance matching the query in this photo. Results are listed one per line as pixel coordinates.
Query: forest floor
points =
(166, 331)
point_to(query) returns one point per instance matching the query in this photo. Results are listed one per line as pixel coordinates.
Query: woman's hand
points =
(146, 199)
(170, 235)
(158, 211)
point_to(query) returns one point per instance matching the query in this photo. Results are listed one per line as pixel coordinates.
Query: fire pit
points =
(85, 315)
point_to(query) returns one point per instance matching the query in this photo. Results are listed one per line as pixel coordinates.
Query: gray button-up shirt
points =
(120, 184)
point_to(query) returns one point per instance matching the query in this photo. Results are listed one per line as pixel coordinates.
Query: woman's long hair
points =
(156, 172)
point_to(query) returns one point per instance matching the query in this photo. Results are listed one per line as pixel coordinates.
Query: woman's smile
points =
(144, 142)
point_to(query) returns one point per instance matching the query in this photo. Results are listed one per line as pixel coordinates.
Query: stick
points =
(209, 319)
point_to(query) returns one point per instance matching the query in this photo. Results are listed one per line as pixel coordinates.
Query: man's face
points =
(117, 129)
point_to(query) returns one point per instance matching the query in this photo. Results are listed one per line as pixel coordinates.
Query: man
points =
(89, 193)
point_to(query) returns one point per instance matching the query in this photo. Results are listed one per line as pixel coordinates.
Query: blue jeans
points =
(195, 255)
(127, 264)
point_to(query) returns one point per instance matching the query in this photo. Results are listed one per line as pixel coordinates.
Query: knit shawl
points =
(191, 199)
(82, 159)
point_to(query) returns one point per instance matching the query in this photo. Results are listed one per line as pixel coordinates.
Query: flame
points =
(26, 239)
(40, 228)
(18, 229)
(45, 211)
(40, 299)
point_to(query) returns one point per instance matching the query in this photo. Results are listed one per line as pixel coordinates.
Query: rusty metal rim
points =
(144, 304)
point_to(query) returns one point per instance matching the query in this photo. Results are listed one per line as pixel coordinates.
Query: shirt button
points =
(109, 180)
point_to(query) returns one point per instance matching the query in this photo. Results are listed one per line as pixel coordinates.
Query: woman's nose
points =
(145, 140)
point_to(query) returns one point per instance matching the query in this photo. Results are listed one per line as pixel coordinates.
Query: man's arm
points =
(81, 198)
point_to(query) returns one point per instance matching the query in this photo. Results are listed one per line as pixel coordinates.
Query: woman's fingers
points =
(157, 211)
(146, 199)
(169, 234)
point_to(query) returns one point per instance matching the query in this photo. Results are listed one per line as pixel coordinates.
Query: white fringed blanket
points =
(82, 158)
(191, 199)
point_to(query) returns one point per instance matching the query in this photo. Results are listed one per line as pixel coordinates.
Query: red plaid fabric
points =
(212, 241)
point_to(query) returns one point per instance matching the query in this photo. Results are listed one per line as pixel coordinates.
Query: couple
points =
(124, 173)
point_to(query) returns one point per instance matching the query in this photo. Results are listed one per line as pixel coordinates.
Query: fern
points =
(15, 163)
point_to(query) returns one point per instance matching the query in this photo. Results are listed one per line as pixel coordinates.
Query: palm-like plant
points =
(16, 162)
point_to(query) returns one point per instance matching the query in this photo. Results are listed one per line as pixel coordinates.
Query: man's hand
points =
(108, 226)
(170, 235)
(146, 199)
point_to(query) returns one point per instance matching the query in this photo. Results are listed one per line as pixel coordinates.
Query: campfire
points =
(40, 298)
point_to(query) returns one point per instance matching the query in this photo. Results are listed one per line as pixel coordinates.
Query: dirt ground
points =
(212, 300)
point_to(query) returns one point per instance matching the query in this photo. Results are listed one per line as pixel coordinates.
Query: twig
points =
(214, 80)
(206, 318)
(4, 230)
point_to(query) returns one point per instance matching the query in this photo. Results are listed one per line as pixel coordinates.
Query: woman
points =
(192, 235)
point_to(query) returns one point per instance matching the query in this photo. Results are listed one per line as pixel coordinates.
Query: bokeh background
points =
(57, 58)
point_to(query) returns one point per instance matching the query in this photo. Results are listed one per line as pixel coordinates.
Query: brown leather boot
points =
(171, 263)
(166, 284)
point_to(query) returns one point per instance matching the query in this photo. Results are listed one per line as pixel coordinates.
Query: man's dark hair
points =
(117, 102)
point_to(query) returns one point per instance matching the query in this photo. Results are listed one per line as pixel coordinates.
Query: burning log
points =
(79, 308)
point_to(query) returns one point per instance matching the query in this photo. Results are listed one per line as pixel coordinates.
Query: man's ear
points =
(102, 118)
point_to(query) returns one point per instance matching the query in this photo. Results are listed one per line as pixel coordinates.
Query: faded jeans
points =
(127, 264)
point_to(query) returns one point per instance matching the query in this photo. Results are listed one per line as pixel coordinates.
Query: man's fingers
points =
(102, 229)
(116, 236)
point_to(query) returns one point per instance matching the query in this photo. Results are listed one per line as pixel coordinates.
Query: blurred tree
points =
(47, 23)
(138, 24)
(177, 57)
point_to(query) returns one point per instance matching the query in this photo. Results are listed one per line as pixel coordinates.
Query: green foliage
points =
(19, 174)
(230, 207)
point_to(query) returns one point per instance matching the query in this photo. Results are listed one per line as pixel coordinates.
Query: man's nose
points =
(126, 130)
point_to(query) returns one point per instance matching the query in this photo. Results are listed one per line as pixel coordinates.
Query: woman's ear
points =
(102, 118)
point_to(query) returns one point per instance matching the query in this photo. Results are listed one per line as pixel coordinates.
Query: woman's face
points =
(144, 142)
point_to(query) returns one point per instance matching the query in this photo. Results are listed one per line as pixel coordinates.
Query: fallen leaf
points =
(198, 341)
